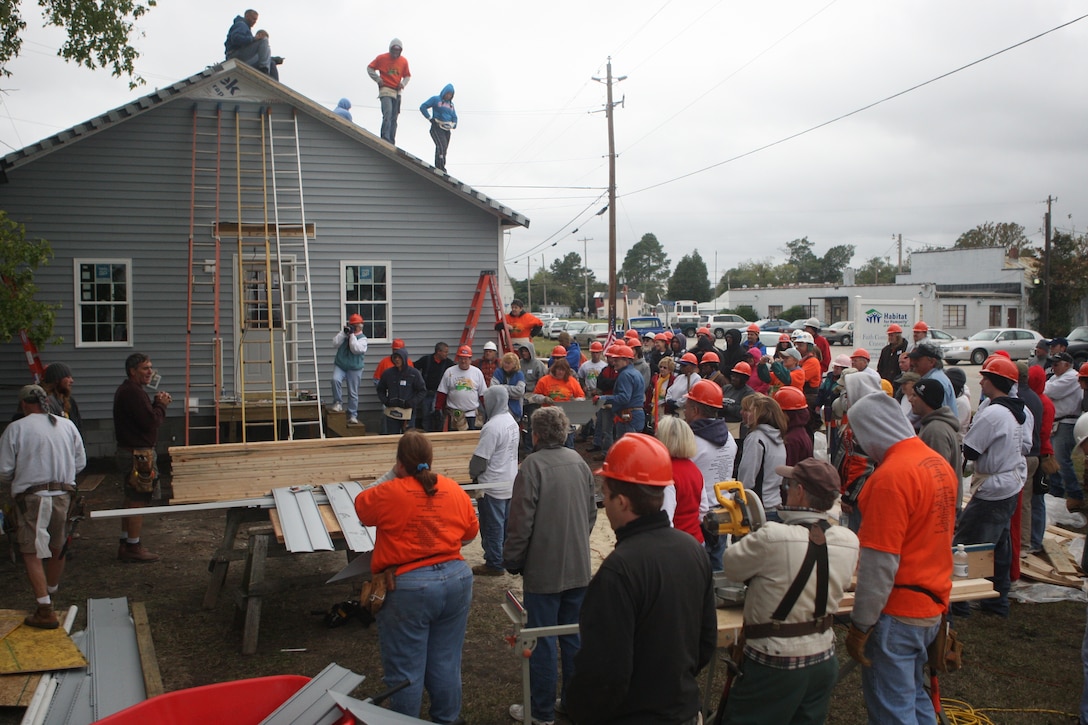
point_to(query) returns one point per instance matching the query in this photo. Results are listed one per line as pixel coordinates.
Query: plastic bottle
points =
(959, 562)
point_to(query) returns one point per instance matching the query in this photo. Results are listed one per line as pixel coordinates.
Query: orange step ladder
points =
(488, 282)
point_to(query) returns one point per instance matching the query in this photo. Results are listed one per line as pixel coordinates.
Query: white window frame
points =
(79, 302)
(346, 306)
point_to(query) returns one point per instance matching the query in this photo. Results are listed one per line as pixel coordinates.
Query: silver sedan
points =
(1019, 343)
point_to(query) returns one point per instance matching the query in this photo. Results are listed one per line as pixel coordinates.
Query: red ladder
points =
(488, 282)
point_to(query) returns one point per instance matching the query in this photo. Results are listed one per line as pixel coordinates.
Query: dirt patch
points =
(1030, 661)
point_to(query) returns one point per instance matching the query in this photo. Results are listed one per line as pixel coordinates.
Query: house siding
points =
(124, 192)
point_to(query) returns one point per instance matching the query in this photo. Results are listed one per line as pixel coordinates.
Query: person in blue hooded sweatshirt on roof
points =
(343, 109)
(443, 118)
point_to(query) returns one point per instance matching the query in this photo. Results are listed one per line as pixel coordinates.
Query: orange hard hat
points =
(1083, 372)
(634, 342)
(398, 344)
(710, 357)
(559, 351)
(790, 398)
(355, 319)
(920, 326)
(894, 328)
(464, 351)
(861, 352)
(689, 358)
(1001, 366)
(638, 458)
(784, 337)
(669, 335)
(703, 331)
(742, 368)
(596, 347)
(661, 336)
(619, 350)
(707, 393)
(630, 333)
(753, 328)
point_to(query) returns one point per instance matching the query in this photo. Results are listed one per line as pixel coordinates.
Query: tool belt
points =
(38, 488)
(142, 477)
(788, 629)
(946, 650)
(624, 416)
(373, 595)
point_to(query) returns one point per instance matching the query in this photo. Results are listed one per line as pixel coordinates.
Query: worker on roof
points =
(245, 47)
(390, 72)
(443, 119)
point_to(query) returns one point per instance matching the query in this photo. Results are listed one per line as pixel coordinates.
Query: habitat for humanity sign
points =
(873, 317)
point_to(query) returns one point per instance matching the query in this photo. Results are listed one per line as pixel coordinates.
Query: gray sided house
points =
(227, 226)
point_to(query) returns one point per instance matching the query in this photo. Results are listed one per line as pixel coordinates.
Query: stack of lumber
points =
(1054, 565)
(231, 471)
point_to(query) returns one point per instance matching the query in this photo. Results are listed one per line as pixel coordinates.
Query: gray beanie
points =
(56, 372)
(395, 43)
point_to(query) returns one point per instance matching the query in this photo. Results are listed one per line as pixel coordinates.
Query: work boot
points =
(485, 570)
(43, 618)
(135, 552)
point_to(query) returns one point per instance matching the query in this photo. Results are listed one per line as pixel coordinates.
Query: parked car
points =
(939, 337)
(800, 325)
(648, 324)
(772, 325)
(1019, 343)
(575, 326)
(718, 324)
(839, 333)
(1078, 345)
(593, 332)
(555, 327)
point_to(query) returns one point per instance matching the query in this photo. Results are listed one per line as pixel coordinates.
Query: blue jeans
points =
(602, 431)
(545, 610)
(392, 426)
(984, 522)
(425, 412)
(421, 630)
(894, 685)
(1084, 691)
(352, 377)
(715, 552)
(390, 111)
(493, 513)
(1038, 521)
(1064, 484)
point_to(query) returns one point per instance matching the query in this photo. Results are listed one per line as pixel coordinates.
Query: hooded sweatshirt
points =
(441, 109)
(798, 441)
(940, 430)
(343, 109)
(715, 451)
(764, 450)
(495, 459)
(999, 438)
(1036, 381)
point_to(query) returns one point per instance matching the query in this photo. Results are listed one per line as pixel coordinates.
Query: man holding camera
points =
(350, 345)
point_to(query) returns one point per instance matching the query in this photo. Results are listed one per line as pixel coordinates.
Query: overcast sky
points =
(707, 81)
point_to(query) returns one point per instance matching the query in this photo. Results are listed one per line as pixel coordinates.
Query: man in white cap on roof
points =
(390, 72)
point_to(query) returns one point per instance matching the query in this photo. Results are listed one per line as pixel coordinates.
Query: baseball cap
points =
(1059, 341)
(924, 350)
(792, 352)
(1061, 357)
(32, 394)
(815, 476)
(908, 377)
(930, 391)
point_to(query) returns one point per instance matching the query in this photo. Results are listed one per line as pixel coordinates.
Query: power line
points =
(858, 110)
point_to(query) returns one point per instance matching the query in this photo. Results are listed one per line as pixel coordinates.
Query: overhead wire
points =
(856, 111)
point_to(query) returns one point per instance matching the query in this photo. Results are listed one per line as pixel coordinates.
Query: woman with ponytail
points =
(422, 520)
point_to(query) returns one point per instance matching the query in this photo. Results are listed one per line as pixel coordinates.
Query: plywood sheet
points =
(28, 649)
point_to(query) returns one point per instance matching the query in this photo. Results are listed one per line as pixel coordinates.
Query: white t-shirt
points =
(588, 373)
(678, 391)
(1002, 444)
(34, 451)
(463, 388)
(498, 444)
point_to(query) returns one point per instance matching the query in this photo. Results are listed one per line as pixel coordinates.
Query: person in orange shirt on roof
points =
(387, 362)
(559, 385)
(521, 324)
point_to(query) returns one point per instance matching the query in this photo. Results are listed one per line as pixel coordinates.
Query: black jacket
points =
(648, 626)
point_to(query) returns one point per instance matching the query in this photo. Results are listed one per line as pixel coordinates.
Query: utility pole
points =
(544, 279)
(585, 271)
(529, 284)
(900, 269)
(1046, 266)
(611, 195)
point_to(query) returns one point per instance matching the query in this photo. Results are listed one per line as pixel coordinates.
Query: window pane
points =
(366, 292)
(102, 299)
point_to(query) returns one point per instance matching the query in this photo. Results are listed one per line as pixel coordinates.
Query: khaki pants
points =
(1025, 504)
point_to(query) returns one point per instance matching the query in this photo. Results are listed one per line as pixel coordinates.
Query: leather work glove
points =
(855, 644)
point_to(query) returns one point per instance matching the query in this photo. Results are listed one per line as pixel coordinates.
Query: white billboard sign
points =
(872, 318)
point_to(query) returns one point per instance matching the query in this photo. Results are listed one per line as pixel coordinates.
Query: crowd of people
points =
(672, 418)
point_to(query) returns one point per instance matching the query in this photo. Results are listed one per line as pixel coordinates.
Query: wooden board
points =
(7, 626)
(1059, 557)
(1039, 569)
(243, 470)
(328, 516)
(17, 690)
(28, 649)
(149, 663)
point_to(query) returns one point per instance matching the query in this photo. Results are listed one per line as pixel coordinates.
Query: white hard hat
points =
(812, 322)
(490, 346)
(802, 336)
(1080, 430)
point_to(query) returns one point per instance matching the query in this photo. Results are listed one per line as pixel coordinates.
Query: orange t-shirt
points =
(811, 367)
(523, 324)
(559, 391)
(387, 362)
(908, 508)
(414, 529)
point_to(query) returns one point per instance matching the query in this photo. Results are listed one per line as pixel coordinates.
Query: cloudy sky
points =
(714, 91)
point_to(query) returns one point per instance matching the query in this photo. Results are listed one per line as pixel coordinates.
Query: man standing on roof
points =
(351, 345)
(887, 365)
(390, 72)
(243, 46)
(443, 119)
(521, 324)
(40, 455)
(343, 109)
(460, 390)
(647, 622)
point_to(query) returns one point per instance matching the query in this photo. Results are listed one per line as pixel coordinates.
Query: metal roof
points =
(210, 75)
